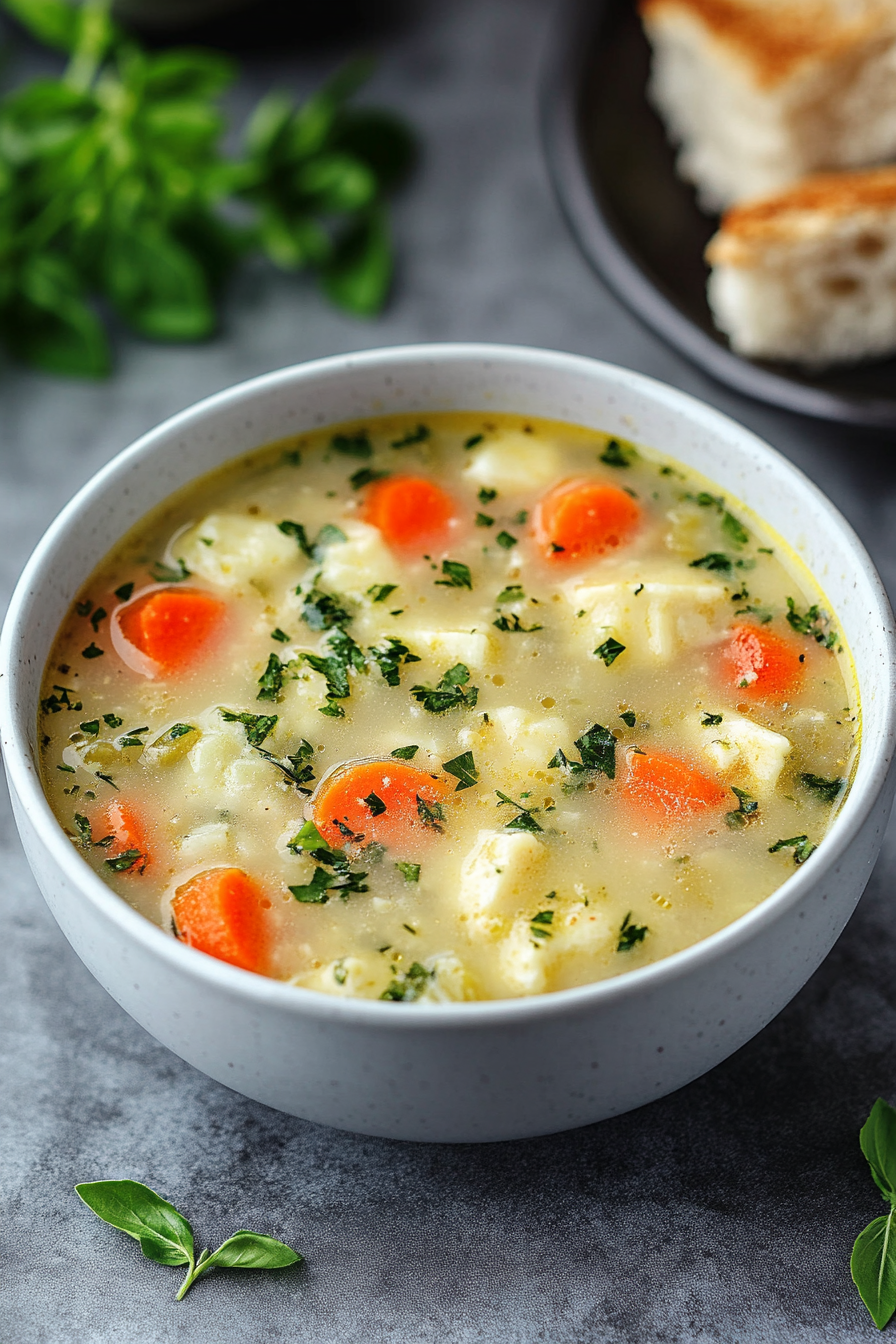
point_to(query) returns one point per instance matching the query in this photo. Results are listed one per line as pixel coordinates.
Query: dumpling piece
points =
(496, 878)
(655, 618)
(231, 550)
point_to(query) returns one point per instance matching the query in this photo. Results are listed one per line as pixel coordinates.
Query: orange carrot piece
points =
(666, 787)
(222, 912)
(582, 518)
(409, 510)
(378, 801)
(761, 664)
(120, 821)
(171, 626)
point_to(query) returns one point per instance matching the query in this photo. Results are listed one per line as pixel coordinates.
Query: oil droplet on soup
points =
(449, 708)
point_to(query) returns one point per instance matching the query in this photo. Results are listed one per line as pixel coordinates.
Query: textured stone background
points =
(724, 1213)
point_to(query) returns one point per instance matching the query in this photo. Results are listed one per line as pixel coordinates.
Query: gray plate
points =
(639, 226)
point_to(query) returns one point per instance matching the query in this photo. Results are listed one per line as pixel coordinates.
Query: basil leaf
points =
(156, 285)
(252, 1250)
(873, 1267)
(878, 1142)
(463, 767)
(164, 1234)
(359, 273)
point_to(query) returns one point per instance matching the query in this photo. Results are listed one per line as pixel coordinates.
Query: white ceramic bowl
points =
(456, 1072)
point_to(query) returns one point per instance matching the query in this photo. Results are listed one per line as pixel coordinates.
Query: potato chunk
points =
(358, 564)
(654, 618)
(747, 751)
(496, 878)
(231, 550)
(516, 461)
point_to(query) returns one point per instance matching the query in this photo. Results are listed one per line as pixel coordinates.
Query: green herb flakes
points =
(505, 540)
(452, 692)
(412, 436)
(271, 680)
(352, 445)
(630, 934)
(525, 816)
(92, 652)
(800, 844)
(609, 651)
(409, 871)
(617, 454)
(629, 717)
(366, 476)
(162, 573)
(381, 591)
(463, 768)
(828, 790)
(457, 575)
(409, 986)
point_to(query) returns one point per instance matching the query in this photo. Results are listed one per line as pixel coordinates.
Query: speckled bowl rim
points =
(25, 778)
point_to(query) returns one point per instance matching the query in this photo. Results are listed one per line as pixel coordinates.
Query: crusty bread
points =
(758, 93)
(810, 274)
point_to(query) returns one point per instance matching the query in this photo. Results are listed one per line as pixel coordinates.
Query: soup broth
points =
(465, 707)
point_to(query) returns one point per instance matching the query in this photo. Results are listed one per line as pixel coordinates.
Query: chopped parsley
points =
(85, 834)
(328, 535)
(366, 476)
(609, 651)
(525, 816)
(344, 654)
(54, 704)
(711, 720)
(505, 540)
(800, 844)
(380, 591)
(540, 924)
(747, 807)
(92, 652)
(280, 635)
(412, 436)
(513, 625)
(271, 680)
(292, 458)
(375, 804)
(513, 593)
(97, 618)
(390, 659)
(486, 495)
(404, 753)
(342, 879)
(463, 768)
(484, 520)
(257, 726)
(734, 530)
(295, 767)
(431, 814)
(715, 560)
(452, 692)
(521, 517)
(409, 986)
(322, 611)
(473, 440)
(629, 717)
(630, 934)
(91, 727)
(409, 871)
(112, 721)
(123, 593)
(352, 445)
(457, 575)
(828, 790)
(814, 622)
(123, 863)
(597, 748)
(617, 454)
(84, 608)
(163, 573)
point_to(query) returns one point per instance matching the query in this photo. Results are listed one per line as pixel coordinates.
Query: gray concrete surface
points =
(724, 1213)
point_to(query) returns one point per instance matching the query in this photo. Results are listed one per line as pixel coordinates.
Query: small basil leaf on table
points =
(252, 1250)
(878, 1142)
(873, 1267)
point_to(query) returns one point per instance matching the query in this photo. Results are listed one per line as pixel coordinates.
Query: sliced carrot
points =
(665, 786)
(171, 626)
(122, 823)
(389, 802)
(582, 518)
(222, 912)
(761, 664)
(409, 510)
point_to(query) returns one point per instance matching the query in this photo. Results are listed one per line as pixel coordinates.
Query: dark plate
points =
(639, 226)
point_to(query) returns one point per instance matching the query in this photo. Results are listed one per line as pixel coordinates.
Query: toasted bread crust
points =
(776, 39)
(746, 229)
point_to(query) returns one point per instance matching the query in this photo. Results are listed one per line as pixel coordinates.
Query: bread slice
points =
(759, 93)
(810, 274)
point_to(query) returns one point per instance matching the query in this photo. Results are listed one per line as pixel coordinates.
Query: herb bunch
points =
(873, 1262)
(114, 190)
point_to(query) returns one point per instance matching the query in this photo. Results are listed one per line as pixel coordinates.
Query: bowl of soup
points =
(453, 742)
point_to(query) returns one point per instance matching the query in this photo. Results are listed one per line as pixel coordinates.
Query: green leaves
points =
(452, 691)
(464, 770)
(166, 1237)
(114, 189)
(873, 1261)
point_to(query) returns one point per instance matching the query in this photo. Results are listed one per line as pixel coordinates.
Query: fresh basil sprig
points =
(873, 1262)
(114, 189)
(166, 1237)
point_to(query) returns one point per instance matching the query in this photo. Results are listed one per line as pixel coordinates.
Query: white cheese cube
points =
(352, 567)
(654, 618)
(516, 461)
(756, 753)
(242, 550)
(497, 879)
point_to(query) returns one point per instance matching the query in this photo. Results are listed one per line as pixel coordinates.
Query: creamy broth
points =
(633, 716)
